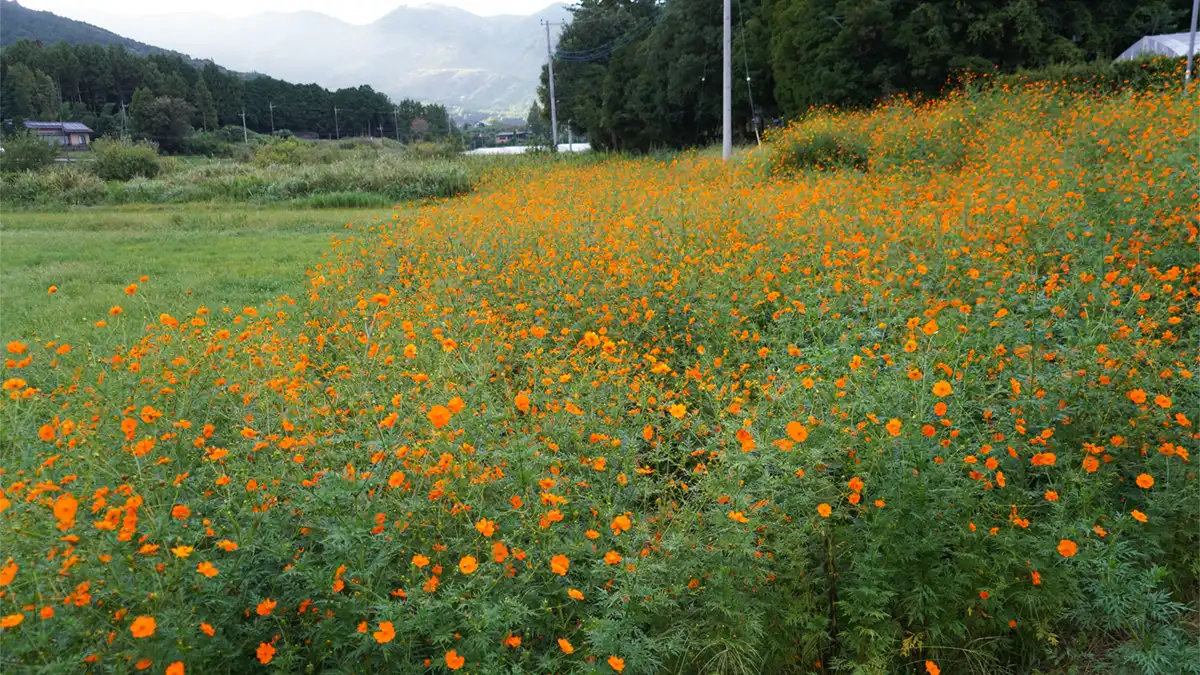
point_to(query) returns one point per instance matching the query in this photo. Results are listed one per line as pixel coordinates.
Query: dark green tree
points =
(202, 101)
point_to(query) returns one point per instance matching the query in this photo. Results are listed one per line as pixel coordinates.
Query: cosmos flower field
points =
(935, 414)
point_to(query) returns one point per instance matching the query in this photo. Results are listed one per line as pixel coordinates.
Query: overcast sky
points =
(353, 11)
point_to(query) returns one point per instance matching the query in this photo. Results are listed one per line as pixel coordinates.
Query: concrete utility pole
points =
(124, 126)
(245, 135)
(1187, 74)
(727, 85)
(553, 105)
(336, 130)
(271, 106)
(396, 122)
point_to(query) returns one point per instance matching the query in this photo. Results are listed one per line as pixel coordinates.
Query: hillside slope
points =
(21, 23)
(429, 53)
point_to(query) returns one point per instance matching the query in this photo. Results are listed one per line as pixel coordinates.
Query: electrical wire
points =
(606, 50)
(746, 63)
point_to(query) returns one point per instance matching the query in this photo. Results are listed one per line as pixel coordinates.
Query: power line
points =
(746, 61)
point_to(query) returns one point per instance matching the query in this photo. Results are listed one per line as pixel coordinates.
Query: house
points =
(506, 137)
(70, 135)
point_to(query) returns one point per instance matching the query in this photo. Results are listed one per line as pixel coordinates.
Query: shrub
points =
(26, 152)
(283, 152)
(73, 185)
(123, 160)
(207, 145)
(821, 151)
(427, 150)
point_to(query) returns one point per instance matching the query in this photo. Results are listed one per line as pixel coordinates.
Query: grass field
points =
(215, 256)
(909, 390)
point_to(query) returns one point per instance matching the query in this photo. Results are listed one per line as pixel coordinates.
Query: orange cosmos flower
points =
(468, 564)
(439, 416)
(1044, 459)
(65, 508)
(796, 431)
(893, 426)
(616, 663)
(575, 593)
(420, 560)
(131, 289)
(559, 564)
(207, 569)
(522, 402)
(1137, 396)
(1067, 548)
(182, 551)
(265, 607)
(8, 572)
(824, 510)
(143, 626)
(612, 558)
(1138, 516)
(738, 516)
(207, 629)
(621, 524)
(453, 660)
(499, 552)
(385, 633)
(931, 668)
(942, 388)
(565, 646)
(678, 411)
(486, 527)
(180, 512)
(175, 668)
(264, 653)
(1145, 481)
(12, 620)
(1162, 401)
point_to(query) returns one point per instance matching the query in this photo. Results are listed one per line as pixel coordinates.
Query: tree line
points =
(167, 97)
(639, 74)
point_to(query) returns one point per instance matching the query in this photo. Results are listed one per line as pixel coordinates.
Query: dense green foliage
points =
(639, 74)
(89, 83)
(26, 152)
(122, 160)
(333, 180)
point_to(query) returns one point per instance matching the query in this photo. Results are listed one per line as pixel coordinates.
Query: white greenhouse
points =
(1174, 45)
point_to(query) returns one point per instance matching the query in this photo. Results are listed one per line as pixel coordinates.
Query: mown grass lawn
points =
(193, 256)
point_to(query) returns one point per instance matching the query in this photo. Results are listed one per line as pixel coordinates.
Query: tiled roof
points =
(65, 127)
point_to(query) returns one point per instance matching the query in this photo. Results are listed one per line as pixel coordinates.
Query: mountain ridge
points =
(18, 22)
(430, 52)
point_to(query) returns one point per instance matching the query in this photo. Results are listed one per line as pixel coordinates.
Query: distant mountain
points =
(21, 23)
(429, 53)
